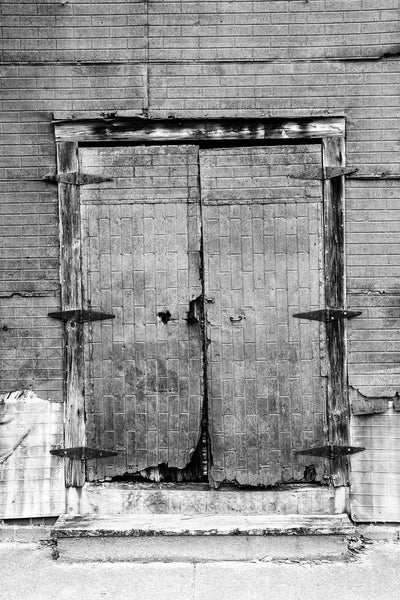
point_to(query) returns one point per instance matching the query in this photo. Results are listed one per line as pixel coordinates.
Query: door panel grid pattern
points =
(263, 261)
(144, 375)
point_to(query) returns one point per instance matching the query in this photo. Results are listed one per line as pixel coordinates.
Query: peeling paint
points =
(367, 405)
(375, 480)
(31, 479)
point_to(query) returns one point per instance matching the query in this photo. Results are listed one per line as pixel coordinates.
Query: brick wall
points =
(260, 31)
(236, 58)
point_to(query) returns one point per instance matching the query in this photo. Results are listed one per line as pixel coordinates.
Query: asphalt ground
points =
(28, 572)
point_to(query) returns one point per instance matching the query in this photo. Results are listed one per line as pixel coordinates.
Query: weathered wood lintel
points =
(71, 299)
(142, 130)
(333, 155)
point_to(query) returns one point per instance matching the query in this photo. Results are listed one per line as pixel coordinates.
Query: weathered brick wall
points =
(209, 58)
(161, 58)
(261, 31)
(42, 46)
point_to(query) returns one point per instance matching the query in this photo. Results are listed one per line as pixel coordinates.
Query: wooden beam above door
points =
(143, 130)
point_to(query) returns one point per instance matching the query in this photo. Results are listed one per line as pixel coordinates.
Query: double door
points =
(203, 256)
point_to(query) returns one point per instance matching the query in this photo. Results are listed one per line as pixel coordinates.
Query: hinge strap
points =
(328, 314)
(331, 451)
(82, 453)
(75, 178)
(322, 173)
(80, 316)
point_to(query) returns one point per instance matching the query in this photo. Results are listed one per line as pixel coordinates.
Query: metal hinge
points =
(75, 178)
(82, 453)
(331, 451)
(328, 314)
(323, 173)
(80, 316)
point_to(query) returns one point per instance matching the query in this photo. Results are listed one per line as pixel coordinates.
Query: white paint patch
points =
(375, 473)
(31, 479)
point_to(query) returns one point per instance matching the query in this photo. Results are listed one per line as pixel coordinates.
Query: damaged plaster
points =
(367, 405)
(31, 479)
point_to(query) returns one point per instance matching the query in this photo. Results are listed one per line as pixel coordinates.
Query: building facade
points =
(179, 179)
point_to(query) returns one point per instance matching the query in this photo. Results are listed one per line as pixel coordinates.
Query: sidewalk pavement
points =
(29, 573)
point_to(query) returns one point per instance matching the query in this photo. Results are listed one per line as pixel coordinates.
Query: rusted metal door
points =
(141, 262)
(263, 262)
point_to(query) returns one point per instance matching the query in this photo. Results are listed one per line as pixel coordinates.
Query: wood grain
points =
(197, 130)
(71, 299)
(333, 155)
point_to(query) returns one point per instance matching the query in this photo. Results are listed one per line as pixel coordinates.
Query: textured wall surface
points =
(31, 479)
(213, 58)
(375, 480)
(144, 376)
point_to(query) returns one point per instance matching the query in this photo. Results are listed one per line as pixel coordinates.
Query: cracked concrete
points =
(29, 573)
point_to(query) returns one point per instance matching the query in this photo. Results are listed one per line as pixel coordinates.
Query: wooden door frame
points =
(329, 132)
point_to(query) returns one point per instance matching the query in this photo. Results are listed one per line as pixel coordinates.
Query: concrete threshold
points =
(201, 538)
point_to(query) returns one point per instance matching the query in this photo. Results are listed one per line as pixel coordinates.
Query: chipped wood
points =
(185, 130)
(333, 155)
(71, 299)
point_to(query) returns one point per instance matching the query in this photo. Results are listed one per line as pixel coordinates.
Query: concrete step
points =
(128, 498)
(198, 538)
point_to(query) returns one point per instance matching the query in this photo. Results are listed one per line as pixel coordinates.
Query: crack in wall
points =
(11, 451)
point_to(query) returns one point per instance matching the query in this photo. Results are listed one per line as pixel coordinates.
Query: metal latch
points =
(328, 314)
(80, 316)
(193, 314)
(83, 453)
(331, 451)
